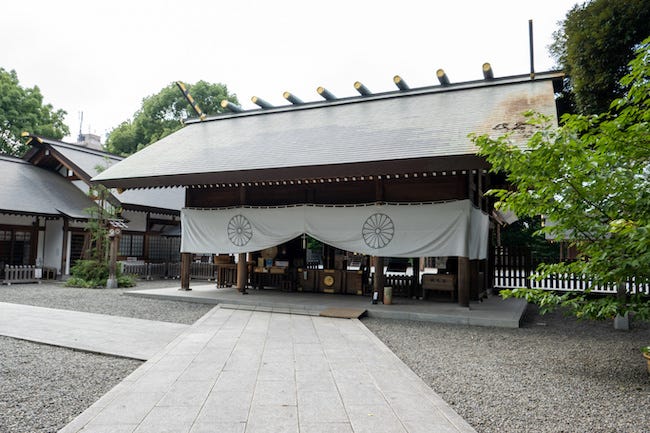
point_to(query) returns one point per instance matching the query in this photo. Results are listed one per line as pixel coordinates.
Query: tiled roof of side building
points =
(30, 190)
(383, 128)
(90, 162)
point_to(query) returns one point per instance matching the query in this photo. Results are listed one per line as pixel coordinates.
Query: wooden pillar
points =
(415, 287)
(378, 282)
(64, 246)
(33, 246)
(242, 273)
(475, 285)
(463, 281)
(111, 283)
(186, 265)
(145, 240)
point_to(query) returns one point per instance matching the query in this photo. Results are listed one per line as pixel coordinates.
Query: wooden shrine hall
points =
(382, 175)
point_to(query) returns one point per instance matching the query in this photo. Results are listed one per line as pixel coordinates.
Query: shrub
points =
(93, 274)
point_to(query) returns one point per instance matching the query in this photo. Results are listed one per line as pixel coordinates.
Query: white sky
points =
(103, 57)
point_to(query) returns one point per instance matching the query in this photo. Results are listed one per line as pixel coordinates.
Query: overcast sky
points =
(103, 57)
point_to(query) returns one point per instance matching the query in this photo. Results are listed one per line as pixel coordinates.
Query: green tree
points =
(94, 270)
(590, 178)
(163, 113)
(594, 45)
(22, 109)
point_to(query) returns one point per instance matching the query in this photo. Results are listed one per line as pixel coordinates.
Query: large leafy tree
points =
(22, 109)
(162, 113)
(590, 178)
(594, 45)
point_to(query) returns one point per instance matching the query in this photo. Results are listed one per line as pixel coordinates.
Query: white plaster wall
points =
(77, 224)
(53, 244)
(137, 220)
(81, 185)
(67, 254)
(160, 216)
(17, 220)
(40, 248)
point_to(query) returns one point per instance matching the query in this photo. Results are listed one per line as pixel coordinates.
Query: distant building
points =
(91, 141)
(43, 203)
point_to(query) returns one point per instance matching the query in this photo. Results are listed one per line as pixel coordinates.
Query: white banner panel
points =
(418, 230)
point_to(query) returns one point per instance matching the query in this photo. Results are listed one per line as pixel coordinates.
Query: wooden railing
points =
(202, 271)
(226, 274)
(402, 284)
(20, 274)
(150, 271)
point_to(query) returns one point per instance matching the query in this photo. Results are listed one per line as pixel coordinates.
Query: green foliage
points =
(22, 109)
(88, 273)
(525, 232)
(590, 179)
(582, 305)
(162, 113)
(98, 221)
(125, 280)
(93, 274)
(594, 45)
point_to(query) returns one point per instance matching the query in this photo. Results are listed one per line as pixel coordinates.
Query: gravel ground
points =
(555, 374)
(106, 301)
(43, 388)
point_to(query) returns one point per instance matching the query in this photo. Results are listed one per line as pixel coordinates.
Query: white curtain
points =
(417, 230)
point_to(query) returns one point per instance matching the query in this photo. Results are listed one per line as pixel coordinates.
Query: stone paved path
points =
(121, 336)
(250, 372)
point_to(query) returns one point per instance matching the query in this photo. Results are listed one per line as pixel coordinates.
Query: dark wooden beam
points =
(420, 189)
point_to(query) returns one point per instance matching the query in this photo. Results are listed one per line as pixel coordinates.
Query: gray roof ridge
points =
(425, 90)
(12, 158)
(79, 148)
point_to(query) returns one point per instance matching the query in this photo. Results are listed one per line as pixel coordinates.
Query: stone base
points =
(622, 323)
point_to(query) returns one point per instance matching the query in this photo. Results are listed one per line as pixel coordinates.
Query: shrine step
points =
(270, 309)
(343, 313)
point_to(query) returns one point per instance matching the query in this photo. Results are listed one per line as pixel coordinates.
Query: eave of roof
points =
(31, 190)
(310, 174)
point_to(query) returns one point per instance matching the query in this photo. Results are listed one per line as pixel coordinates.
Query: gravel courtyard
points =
(552, 375)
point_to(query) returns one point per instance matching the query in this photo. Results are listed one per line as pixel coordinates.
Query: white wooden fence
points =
(509, 278)
(20, 274)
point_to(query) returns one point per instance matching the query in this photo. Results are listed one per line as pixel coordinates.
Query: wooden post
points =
(186, 265)
(475, 286)
(379, 278)
(463, 281)
(415, 285)
(242, 273)
(64, 246)
(111, 283)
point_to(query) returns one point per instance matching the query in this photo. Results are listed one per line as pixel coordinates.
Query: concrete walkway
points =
(493, 311)
(112, 335)
(249, 371)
